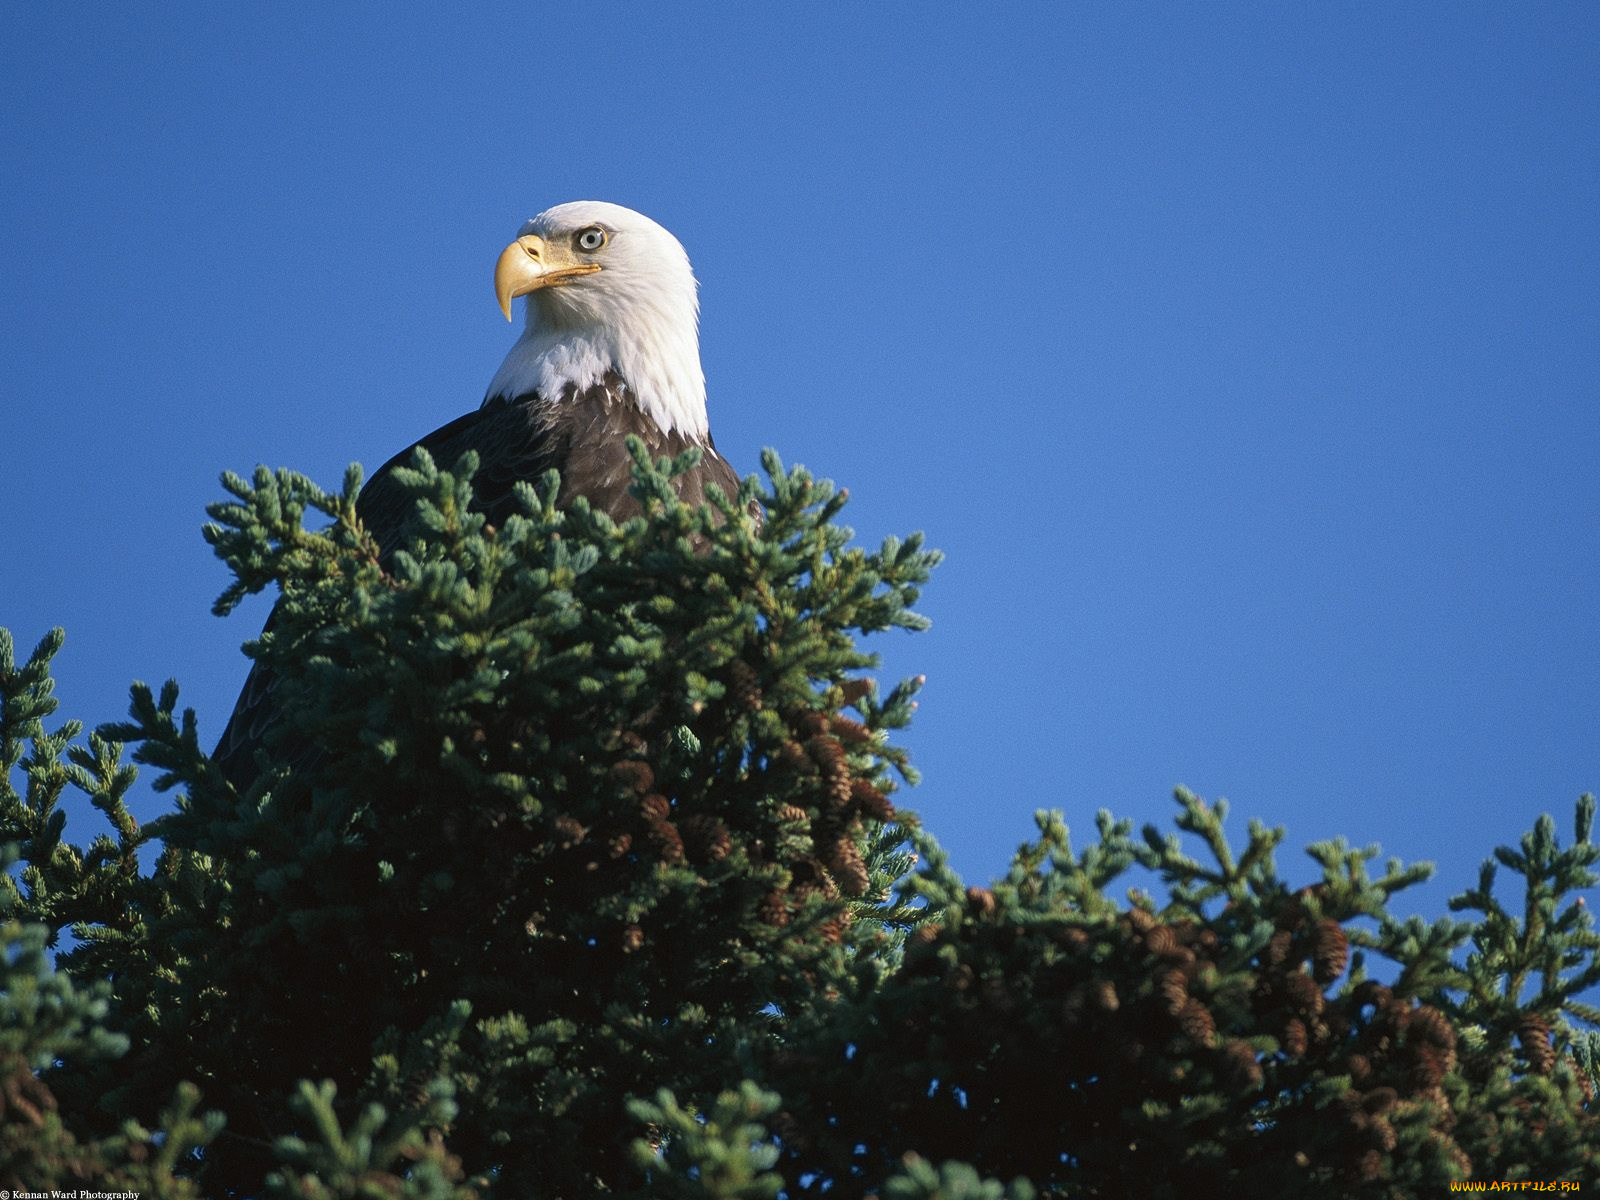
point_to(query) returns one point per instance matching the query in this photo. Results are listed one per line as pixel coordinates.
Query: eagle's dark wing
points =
(584, 437)
(514, 442)
(715, 469)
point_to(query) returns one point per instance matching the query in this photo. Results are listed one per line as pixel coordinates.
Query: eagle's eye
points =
(591, 238)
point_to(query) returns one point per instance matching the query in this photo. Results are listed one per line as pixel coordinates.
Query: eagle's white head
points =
(608, 290)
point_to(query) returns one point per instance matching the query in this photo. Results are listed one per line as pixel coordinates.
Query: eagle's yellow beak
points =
(529, 264)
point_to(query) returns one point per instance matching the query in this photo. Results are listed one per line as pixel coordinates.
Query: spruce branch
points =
(723, 1153)
(1537, 964)
(919, 1179)
(375, 1157)
(1194, 884)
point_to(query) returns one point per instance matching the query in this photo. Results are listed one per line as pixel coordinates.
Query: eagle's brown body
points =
(583, 436)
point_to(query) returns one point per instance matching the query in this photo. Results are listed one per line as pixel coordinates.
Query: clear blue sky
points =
(1244, 358)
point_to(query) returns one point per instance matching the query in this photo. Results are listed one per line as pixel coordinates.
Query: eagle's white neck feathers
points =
(637, 316)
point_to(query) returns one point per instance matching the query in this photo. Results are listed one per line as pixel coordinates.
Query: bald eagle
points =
(610, 347)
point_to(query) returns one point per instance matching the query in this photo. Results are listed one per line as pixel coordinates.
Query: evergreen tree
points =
(572, 867)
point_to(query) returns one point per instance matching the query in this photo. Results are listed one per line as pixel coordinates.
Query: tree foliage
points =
(572, 867)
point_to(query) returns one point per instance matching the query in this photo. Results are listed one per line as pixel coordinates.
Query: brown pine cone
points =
(667, 841)
(1197, 1023)
(847, 729)
(853, 689)
(1381, 1134)
(1161, 941)
(1240, 1065)
(744, 688)
(24, 1093)
(847, 867)
(568, 831)
(634, 775)
(826, 752)
(981, 901)
(1369, 1166)
(1303, 994)
(829, 757)
(838, 790)
(1534, 1034)
(1432, 1026)
(793, 754)
(1427, 1068)
(655, 807)
(705, 837)
(1173, 989)
(870, 802)
(1277, 948)
(1103, 993)
(773, 910)
(1379, 1100)
(1139, 920)
(812, 723)
(1294, 1038)
(1330, 951)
